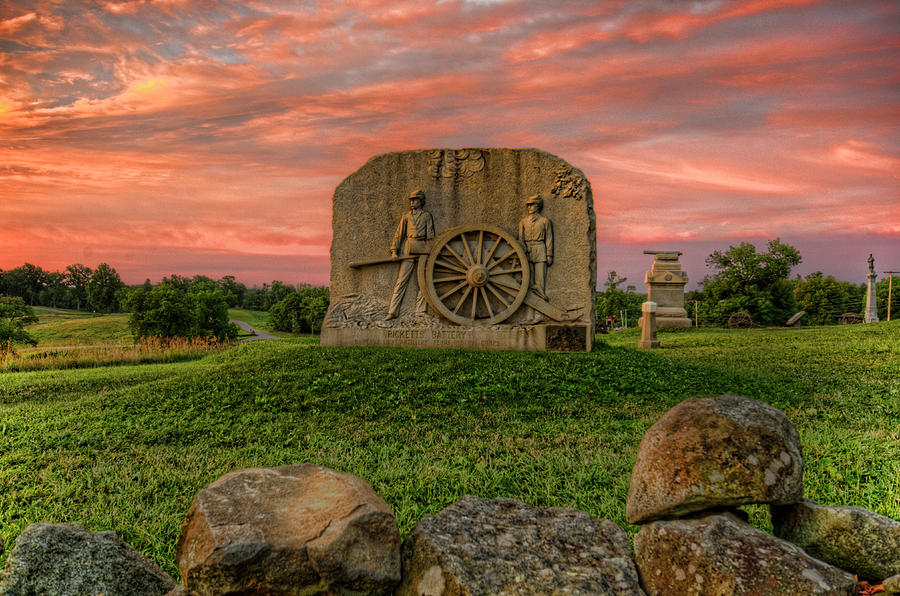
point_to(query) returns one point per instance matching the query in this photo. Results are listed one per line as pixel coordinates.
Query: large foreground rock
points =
(502, 546)
(68, 560)
(289, 530)
(891, 585)
(852, 538)
(720, 554)
(705, 453)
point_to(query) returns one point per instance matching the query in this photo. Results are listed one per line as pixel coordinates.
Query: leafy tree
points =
(168, 310)
(202, 283)
(302, 311)
(255, 298)
(102, 289)
(881, 297)
(211, 315)
(234, 290)
(177, 281)
(854, 296)
(77, 278)
(14, 315)
(821, 297)
(26, 282)
(55, 292)
(278, 291)
(757, 283)
(613, 300)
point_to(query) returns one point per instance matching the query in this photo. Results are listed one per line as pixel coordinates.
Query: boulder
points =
(852, 538)
(719, 554)
(891, 585)
(68, 560)
(502, 546)
(706, 453)
(288, 529)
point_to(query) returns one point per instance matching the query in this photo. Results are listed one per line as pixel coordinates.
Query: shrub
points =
(14, 315)
(170, 311)
(302, 311)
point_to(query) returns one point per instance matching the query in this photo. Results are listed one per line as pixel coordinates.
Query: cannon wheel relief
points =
(475, 275)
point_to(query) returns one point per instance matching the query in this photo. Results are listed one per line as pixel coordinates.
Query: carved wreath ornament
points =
(568, 184)
(458, 163)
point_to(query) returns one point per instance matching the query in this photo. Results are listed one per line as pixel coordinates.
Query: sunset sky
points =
(170, 136)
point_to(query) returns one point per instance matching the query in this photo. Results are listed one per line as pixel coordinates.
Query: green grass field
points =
(125, 448)
(79, 329)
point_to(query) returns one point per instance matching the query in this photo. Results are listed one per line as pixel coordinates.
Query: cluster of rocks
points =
(304, 529)
(706, 457)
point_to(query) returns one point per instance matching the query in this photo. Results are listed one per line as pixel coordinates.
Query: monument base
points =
(669, 322)
(549, 337)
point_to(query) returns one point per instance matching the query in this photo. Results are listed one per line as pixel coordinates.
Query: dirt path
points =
(47, 308)
(257, 333)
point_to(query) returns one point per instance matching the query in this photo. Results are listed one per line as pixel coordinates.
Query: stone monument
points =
(648, 328)
(501, 243)
(665, 286)
(871, 307)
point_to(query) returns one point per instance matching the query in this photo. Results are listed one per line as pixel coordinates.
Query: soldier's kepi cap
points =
(534, 199)
(417, 194)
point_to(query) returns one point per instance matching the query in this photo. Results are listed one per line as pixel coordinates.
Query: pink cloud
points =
(155, 130)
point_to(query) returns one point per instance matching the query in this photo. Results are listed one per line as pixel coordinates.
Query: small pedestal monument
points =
(648, 329)
(871, 307)
(665, 286)
(463, 248)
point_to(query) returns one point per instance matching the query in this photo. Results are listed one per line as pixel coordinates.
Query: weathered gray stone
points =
(289, 530)
(501, 546)
(68, 560)
(723, 451)
(719, 554)
(437, 279)
(852, 538)
(891, 585)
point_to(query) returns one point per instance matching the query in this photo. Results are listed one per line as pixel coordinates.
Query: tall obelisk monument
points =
(871, 307)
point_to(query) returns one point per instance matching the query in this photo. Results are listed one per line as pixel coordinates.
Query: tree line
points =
(743, 279)
(177, 306)
(759, 283)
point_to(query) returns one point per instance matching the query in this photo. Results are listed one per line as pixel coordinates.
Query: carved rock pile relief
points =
(455, 163)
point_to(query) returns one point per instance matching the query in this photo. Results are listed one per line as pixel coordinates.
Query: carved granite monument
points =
(665, 286)
(489, 274)
(871, 315)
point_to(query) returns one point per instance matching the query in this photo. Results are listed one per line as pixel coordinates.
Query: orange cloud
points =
(161, 131)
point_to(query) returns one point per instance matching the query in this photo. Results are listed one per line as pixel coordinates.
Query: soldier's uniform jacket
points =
(536, 232)
(415, 225)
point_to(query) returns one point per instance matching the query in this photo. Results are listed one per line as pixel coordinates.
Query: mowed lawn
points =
(79, 329)
(125, 448)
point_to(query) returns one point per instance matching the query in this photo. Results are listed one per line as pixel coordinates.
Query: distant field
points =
(125, 448)
(79, 329)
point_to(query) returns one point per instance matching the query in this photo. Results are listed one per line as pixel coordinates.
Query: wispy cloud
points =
(172, 131)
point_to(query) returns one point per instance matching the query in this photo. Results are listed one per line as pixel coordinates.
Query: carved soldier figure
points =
(415, 226)
(536, 233)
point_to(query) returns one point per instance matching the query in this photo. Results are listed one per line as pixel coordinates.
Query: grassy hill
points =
(125, 448)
